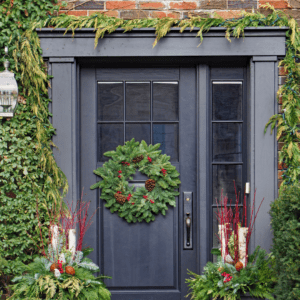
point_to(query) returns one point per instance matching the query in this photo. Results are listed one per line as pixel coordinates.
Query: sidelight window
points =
(228, 145)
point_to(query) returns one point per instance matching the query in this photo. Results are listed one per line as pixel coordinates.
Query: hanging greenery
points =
(286, 123)
(28, 171)
(146, 201)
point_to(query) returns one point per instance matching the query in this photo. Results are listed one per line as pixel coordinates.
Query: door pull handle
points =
(188, 229)
(187, 220)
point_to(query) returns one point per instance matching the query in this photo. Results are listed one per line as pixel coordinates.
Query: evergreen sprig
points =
(140, 204)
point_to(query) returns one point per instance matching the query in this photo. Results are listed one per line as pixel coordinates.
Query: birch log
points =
(242, 244)
(54, 233)
(222, 240)
(72, 241)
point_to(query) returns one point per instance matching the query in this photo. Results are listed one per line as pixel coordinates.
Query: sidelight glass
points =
(167, 136)
(227, 142)
(165, 101)
(109, 137)
(227, 100)
(138, 101)
(223, 177)
(110, 101)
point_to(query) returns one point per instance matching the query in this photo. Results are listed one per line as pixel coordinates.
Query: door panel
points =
(146, 261)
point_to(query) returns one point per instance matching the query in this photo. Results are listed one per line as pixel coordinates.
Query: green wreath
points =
(144, 202)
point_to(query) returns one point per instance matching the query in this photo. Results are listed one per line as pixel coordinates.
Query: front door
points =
(158, 105)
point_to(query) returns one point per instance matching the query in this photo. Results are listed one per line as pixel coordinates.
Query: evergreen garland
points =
(286, 123)
(146, 201)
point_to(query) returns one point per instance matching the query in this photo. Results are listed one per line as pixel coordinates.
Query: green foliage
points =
(258, 279)
(29, 175)
(37, 282)
(285, 213)
(142, 204)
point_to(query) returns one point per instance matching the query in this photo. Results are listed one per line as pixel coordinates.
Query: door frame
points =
(262, 47)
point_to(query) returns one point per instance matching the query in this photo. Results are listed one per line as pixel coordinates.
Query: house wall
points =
(227, 9)
(130, 9)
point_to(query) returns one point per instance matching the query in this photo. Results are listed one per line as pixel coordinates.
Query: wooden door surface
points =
(158, 105)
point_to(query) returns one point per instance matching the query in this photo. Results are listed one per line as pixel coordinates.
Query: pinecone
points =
(70, 270)
(120, 198)
(150, 184)
(53, 267)
(138, 159)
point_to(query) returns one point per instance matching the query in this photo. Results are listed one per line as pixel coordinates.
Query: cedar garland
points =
(286, 123)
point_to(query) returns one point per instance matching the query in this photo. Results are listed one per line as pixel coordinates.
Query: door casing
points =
(261, 47)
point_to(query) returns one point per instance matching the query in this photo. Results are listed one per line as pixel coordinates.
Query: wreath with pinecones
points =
(142, 203)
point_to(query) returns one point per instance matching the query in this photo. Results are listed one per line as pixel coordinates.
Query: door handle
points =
(188, 229)
(188, 220)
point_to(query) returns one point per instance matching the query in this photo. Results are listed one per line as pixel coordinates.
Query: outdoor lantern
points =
(8, 91)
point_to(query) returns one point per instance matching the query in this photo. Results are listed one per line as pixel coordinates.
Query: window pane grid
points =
(227, 150)
(138, 119)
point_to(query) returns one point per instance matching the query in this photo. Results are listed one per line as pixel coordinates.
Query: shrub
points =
(285, 214)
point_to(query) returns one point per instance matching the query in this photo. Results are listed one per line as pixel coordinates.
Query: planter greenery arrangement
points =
(221, 280)
(235, 274)
(69, 278)
(62, 271)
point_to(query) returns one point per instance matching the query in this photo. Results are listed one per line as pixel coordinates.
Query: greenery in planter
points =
(74, 281)
(285, 214)
(222, 280)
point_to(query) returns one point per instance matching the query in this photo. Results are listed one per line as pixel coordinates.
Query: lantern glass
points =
(8, 94)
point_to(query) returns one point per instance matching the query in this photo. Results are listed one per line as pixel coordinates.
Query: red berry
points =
(152, 201)
(119, 171)
(146, 197)
(149, 158)
(132, 203)
(119, 176)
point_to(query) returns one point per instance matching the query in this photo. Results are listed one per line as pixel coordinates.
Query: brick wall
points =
(282, 77)
(178, 9)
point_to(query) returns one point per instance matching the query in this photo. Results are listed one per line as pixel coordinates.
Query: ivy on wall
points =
(29, 175)
(28, 172)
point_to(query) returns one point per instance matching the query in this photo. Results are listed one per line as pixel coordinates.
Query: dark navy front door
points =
(158, 105)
